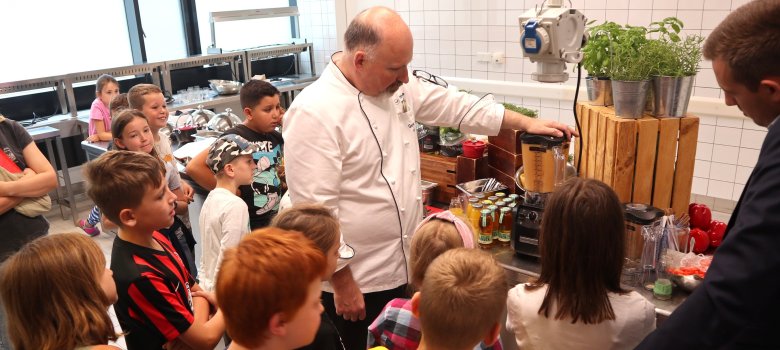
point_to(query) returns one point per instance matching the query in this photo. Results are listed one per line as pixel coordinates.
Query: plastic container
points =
(474, 149)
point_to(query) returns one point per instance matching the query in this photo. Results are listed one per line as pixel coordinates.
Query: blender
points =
(544, 168)
(641, 240)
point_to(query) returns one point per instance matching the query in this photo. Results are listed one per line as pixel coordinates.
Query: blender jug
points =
(544, 162)
(640, 220)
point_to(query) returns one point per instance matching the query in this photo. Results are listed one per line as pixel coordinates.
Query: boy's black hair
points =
(254, 91)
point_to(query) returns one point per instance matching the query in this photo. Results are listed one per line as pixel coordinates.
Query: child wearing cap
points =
(224, 217)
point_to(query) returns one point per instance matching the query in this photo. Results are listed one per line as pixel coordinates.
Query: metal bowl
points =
(687, 283)
(225, 87)
(571, 171)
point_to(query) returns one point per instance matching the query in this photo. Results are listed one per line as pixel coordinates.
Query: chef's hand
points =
(517, 121)
(347, 296)
(549, 127)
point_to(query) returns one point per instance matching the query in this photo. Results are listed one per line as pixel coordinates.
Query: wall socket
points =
(491, 57)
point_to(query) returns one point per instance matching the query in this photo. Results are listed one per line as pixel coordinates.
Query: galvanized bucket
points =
(599, 91)
(671, 96)
(630, 98)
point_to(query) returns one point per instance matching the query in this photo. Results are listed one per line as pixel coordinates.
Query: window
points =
(51, 37)
(238, 35)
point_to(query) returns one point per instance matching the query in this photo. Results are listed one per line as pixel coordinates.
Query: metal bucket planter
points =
(599, 91)
(630, 98)
(671, 95)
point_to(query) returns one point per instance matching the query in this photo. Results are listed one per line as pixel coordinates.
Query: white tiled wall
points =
(318, 26)
(457, 29)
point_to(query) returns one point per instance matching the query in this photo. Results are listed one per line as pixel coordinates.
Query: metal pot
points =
(224, 121)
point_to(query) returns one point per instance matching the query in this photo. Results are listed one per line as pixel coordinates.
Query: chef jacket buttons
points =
(403, 209)
(376, 127)
(419, 198)
(384, 154)
(413, 170)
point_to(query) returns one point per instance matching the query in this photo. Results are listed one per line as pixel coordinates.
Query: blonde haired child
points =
(106, 88)
(396, 327)
(71, 314)
(461, 300)
(317, 223)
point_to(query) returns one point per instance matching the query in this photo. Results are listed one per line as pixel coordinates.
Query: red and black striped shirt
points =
(155, 302)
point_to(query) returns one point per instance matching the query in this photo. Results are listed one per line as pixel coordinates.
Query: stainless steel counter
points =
(521, 269)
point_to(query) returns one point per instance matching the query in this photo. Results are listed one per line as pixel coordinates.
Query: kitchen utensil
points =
(201, 117)
(474, 149)
(544, 161)
(224, 121)
(570, 172)
(225, 87)
(485, 186)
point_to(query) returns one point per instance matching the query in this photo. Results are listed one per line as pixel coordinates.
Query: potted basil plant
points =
(597, 58)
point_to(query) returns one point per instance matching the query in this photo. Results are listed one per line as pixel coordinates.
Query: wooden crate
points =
(508, 140)
(504, 160)
(648, 160)
(450, 171)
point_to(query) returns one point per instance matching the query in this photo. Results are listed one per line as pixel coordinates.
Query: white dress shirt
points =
(358, 155)
(223, 221)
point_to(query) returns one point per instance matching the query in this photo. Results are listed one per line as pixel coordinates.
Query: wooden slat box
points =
(504, 178)
(508, 140)
(450, 171)
(648, 160)
(504, 160)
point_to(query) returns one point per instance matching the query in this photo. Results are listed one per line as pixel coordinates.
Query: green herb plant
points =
(597, 52)
(631, 60)
(672, 55)
(522, 110)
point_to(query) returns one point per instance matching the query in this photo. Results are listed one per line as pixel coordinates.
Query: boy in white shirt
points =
(224, 217)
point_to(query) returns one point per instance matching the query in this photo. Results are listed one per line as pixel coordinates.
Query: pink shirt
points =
(99, 111)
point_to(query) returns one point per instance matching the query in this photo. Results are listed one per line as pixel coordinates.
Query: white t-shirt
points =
(634, 319)
(224, 220)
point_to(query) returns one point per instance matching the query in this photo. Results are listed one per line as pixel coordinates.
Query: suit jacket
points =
(738, 305)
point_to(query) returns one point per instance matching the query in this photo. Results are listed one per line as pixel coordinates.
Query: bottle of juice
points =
(470, 206)
(494, 215)
(476, 210)
(485, 238)
(505, 222)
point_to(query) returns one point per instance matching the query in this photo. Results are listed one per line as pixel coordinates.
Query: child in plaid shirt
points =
(396, 327)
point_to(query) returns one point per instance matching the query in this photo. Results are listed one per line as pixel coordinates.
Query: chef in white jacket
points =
(350, 143)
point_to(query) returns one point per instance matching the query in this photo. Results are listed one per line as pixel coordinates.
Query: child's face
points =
(303, 327)
(108, 285)
(108, 92)
(332, 256)
(243, 168)
(156, 210)
(266, 115)
(136, 136)
(155, 110)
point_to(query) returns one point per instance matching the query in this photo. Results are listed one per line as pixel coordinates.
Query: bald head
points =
(372, 26)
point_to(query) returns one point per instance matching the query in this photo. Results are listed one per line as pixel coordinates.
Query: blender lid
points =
(642, 214)
(544, 140)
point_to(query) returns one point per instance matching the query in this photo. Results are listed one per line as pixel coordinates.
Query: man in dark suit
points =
(738, 305)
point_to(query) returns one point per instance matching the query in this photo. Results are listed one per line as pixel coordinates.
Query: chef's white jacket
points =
(365, 164)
